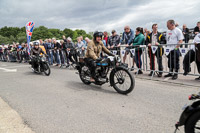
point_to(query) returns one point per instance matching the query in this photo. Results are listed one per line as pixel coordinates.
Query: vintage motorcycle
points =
(190, 118)
(120, 77)
(41, 63)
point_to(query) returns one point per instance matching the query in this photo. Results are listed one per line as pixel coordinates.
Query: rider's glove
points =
(111, 54)
(99, 59)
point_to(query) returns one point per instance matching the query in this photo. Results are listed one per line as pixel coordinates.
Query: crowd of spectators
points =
(65, 52)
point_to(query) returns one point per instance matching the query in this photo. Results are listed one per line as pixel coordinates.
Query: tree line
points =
(8, 35)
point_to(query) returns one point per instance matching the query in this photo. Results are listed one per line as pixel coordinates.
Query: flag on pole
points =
(29, 30)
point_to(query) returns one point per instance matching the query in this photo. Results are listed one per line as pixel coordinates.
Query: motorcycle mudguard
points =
(113, 71)
(189, 110)
(79, 66)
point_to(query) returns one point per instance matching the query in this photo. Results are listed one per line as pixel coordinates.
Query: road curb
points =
(10, 121)
(169, 81)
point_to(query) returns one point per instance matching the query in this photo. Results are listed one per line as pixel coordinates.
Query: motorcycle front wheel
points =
(193, 124)
(47, 70)
(122, 80)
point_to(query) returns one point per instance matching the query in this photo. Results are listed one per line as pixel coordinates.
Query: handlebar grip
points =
(194, 96)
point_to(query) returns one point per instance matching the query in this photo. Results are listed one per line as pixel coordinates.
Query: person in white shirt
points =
(192, 55)
(174, 38)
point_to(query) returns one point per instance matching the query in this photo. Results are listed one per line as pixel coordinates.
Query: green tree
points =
(4, 40)
(8, 31)
(56, 33)
(16, 34)
(12, 39)
(41, 33)
(68, 32)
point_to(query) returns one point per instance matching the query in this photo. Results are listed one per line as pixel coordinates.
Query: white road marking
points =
(17, 66)
(8, 70)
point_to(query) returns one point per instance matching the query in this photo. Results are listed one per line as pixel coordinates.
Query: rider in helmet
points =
(94, 48)
(35, 51)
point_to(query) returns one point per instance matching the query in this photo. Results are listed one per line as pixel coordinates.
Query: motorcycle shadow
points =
(33, 73)
(82, 87)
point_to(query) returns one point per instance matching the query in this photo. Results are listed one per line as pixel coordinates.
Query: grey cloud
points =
(93, 15)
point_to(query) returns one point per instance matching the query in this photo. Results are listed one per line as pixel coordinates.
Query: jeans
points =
(62, 56)
(50, 57)
(138, 59)
(58, 57)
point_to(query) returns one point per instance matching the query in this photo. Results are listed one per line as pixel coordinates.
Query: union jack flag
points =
(29, 30)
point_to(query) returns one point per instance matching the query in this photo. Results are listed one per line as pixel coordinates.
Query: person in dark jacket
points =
(155, 38)
(35, 51)
(71, 52)
(192, 55)
(197, 29)
(57, 48)
(186, 34)
(127, 39)
(113, 42)
(138, 40)
(49, 50)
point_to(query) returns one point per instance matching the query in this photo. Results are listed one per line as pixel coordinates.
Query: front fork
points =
(176, 126)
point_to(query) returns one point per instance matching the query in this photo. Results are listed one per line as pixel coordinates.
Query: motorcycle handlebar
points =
(194, 97)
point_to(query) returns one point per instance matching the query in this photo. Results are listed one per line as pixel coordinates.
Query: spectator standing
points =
(113, 42)
(146, 33)
(155, 38)
(186, 34)
(197, 28)
(81, 47)
(87, 40)
(1, 53)
(138, 40)
(127, 39)
(192, 55)
(57, 52)
(174, 39)
(62, 52)
(49, 51)
(71, 51)
(81, 37)
(105, 37)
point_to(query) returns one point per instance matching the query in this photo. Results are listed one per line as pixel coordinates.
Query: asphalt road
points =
(61, 103)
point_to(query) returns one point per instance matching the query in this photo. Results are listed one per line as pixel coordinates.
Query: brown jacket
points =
(94, 49)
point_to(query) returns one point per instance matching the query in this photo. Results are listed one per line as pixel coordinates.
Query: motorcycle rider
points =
(35, 51)
(94, 49)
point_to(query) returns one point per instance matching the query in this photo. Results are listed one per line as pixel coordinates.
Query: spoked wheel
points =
(47, 70)
(83, 77)
(193, 124)
(122, 80)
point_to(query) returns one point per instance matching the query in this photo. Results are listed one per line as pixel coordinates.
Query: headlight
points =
(43, 59)
(118, 59)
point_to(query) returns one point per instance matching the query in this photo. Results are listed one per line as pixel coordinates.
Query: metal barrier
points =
(143, 56)
(166, 58)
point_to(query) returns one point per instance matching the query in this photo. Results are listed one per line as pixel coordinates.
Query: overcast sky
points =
(103, 15)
